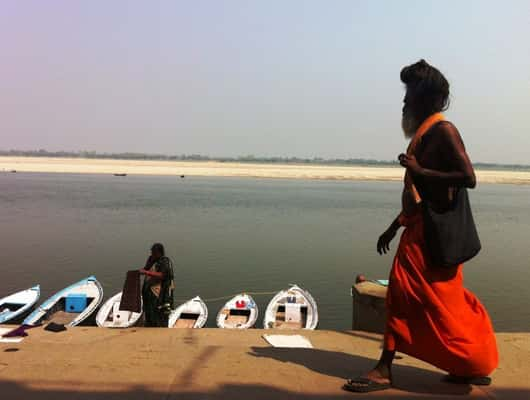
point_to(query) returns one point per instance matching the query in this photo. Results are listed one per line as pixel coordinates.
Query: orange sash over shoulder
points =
(411, 150)
(410, 193)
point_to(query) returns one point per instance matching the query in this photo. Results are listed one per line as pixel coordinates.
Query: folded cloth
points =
(131, 296)
(3, 339)
(19, 331)
(53, 327)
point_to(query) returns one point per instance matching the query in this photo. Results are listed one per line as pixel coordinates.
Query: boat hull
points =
(191, 314)
(17, 304)
(240, 312)
(53, 309)
(110, 315)
(291, 309)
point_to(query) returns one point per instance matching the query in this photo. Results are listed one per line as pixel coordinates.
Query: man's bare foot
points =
(379, 375)
(377, 379)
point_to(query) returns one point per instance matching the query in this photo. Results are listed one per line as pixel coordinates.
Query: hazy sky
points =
(287, 78)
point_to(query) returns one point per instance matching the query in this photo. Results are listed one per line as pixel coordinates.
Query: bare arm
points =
(383, 243)
(396, 224)
(155, 274)
(147, 269)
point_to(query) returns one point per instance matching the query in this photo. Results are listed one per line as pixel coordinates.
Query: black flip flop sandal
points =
(364, 385)
(462, 380)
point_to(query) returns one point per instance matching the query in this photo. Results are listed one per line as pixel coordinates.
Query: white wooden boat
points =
(240, 312)
(67, 306)
(293, 308)
(191, 314)
(18, 303)
(110, 315)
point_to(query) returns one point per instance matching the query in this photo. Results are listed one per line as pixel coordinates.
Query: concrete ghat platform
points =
(103, 364)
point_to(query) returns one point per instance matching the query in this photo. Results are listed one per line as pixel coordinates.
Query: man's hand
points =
(383, 243)
(410, 163)
(142, 271)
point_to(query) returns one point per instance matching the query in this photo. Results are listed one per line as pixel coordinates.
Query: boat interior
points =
(236, 318)
(291, 316)
(117, 315)
(10, 307)
(58, 314)
(187, 320)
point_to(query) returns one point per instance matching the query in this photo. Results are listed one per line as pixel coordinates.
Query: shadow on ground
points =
(12, 391)
(344, 365)
(411, 382)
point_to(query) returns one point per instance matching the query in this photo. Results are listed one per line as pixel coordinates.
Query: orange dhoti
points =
(431, 316)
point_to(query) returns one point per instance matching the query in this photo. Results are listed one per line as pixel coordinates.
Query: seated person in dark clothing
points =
(157, 291)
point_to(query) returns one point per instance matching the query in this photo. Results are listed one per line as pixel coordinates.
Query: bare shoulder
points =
(448, 134)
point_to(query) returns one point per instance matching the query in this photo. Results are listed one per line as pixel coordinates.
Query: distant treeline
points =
(189, 157)
(242, 159)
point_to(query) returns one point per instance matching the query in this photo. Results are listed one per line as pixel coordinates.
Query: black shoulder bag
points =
(451, 236)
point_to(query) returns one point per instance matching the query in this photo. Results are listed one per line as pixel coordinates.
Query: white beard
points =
(409, 125)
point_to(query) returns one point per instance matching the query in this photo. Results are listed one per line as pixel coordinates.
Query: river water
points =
(230, 235)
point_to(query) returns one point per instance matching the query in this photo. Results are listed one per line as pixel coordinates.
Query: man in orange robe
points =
(430, 315)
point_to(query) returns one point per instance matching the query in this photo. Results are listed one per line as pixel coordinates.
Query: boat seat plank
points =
(185, 323)
(62, 317)
(235, 320)
(288, 325)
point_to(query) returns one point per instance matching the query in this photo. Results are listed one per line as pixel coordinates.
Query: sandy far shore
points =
(230, 169)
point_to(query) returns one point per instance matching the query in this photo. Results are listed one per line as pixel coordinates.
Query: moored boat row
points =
(292, 308)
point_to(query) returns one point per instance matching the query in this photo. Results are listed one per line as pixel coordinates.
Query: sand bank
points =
(140, 363)
(211, 169)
